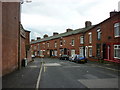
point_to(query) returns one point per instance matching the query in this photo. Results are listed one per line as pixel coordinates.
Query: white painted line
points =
(100, 83)
(52, 64)
(39, 77)
(107, 68)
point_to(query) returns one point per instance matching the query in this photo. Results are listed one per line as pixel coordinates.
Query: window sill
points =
(117, 36)
(116, 58)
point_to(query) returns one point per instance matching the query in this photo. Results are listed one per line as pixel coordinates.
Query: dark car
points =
(64, 57)
(80, 59)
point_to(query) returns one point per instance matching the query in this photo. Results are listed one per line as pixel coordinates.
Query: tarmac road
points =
(55, 73)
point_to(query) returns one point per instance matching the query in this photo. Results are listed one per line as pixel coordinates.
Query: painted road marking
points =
(107, 68)
(45, 68)
(52, 64)
(33, 66)
(39, 77)
(100, 83)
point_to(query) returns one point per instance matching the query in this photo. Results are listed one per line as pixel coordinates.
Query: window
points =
(81, 40)
(90, 37)
(98, 34)
(48, 44)
(61, 43)
(72, 52)
(55, 44)
(64, 42)
(48, 52)
(90, 52)
(117, 51)
(55, 52)
(73, 42)
(35, 47)
(117, 29)
(98, 46)
(81, 51)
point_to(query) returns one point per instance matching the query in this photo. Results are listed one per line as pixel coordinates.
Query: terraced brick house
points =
(95, 42)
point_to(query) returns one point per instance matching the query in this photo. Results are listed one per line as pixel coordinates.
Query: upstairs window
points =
(81, 40)
(48, 44)
(117, 29)
(61, 43)
(35, 47)
(73, 42)
(55, 44)
(98, 34)
(90, 37)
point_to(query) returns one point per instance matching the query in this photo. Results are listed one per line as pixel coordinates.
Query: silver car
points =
(72, 58)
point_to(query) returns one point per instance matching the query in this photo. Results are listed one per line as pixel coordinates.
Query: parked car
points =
(80, 59)
(64, 57)
(72, 58)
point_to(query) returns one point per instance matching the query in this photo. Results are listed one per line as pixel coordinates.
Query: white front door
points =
(86, 51)
(72, 52)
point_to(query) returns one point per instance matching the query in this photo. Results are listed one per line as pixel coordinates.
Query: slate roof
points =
(81, 30)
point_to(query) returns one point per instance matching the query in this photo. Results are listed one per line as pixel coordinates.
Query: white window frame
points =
(98, 34)
(73, 42)
(90, 37)
(35, 47)
(48, 44)
(90, 52)
(117, 29)
(61, 42)
(55, 52)
(81, 52)
(81, 39)
(117, 48)
(55, 44)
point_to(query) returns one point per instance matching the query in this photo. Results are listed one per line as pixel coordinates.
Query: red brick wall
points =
(23, 50)
(10, 27)
(107, 36)
(27, 40)
(0, 39)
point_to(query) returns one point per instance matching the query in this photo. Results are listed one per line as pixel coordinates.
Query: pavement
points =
(24, 78)
(61, 74)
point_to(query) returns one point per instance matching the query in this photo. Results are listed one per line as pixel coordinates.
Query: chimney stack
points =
(113, 13)
(55, 33)
(32, 40)
(45, 36)
(38, 38)
(68, 30)
(88, 24)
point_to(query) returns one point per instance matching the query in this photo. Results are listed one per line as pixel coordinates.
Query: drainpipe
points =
(84, 44)
(19, 45)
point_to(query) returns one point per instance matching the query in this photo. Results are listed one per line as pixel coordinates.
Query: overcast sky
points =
(48, 16)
